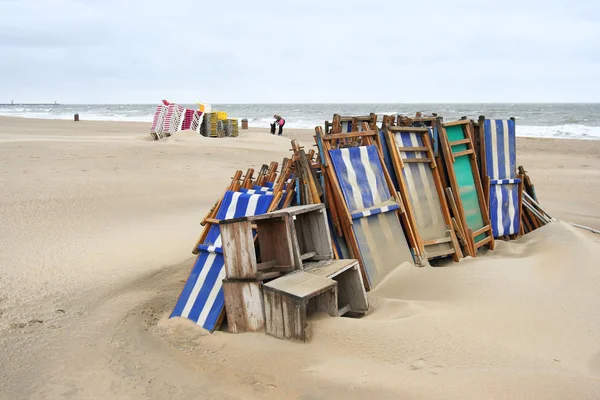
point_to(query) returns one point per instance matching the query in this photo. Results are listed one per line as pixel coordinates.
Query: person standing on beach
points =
(280, 122)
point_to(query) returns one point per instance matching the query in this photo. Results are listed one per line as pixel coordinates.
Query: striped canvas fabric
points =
(201, 299)
(172, 118)
(186, 119)
(379, 233)
(422, 192)
(387, 159)
(195, 125)
(157, 122)
(501, 167)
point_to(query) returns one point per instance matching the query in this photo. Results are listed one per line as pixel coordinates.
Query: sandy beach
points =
(98, 222)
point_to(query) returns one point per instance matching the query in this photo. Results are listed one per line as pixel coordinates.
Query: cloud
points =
(299, 51)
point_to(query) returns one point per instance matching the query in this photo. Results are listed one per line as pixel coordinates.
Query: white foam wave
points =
(570, 131)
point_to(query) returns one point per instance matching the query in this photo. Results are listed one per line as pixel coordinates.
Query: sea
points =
(551, 120)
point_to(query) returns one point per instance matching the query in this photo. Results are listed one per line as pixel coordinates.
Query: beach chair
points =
(157, 122)
(195, 125)
(201, 299)
(350, 123)
(420, 186)
(187, 117)
(466, 193)
(366, 208)
(503, 186)
(172, 119)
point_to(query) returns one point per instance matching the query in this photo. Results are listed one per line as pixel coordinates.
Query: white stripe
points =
(511, 210)
(198, 285)
(210, 301)
(252, 203)
(507, 171)
(364, 157)
(352, 178)
(499, 211)
(230, 214)
(493, 137)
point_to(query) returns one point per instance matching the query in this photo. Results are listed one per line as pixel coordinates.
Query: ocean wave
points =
(567, 131)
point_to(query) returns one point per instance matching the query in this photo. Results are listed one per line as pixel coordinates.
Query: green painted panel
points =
(466, 183)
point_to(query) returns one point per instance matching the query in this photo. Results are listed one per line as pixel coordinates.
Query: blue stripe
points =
(342, 174)
(189, 285)
(512, 148)
(215, 311)
(377, 168)
(207, 286)
(387, 159)
(504, 181)
(500, 142)
(361, 176)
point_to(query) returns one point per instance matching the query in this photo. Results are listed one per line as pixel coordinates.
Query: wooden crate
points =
(286, 238)
(288, 299)
(352, 297)
(244, 305)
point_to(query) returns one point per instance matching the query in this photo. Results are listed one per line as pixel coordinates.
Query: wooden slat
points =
(463, 153)
(308, 255)
(413, 148)
(460, 122)
(481, 231)
(483, 242)
(462, 141)
(344, 310)
(416, 160)
(437, 241)
(337, 136)
(441, 253)
(412, 129)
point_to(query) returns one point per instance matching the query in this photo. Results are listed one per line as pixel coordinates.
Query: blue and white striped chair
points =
(375, 223)
(201, 299)
(500, 166)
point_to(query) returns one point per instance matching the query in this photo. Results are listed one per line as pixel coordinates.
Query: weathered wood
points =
(347, 274)
(244, 306)
(463, 153)
(287, 302)
(275, 241)
(238, 250)
(306, 256)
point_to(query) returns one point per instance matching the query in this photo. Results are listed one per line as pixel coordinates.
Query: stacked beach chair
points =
(418, 191)
(156, 130)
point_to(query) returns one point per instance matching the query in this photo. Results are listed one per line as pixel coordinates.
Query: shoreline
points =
(149, 122)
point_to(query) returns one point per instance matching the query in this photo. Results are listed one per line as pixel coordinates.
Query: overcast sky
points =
(319, 51)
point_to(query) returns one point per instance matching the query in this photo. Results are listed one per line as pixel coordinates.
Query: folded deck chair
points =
(195, 126)
(157, 122)
(422, 191)
(187, 118)
(350, 123)
(376, 226)
(172, 118)
(499, 153)
(201, 299)
(463, 176)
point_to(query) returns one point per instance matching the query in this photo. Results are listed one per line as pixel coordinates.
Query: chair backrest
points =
(236, 205)
(361, 177)
(500, 149)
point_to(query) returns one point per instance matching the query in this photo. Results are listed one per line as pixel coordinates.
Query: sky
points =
(311, 51)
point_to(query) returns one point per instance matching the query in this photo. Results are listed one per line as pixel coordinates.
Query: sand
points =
(97, 227)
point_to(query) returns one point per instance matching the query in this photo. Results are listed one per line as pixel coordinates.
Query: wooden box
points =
(244, 306)
(288, 299)
(352, 297)
(286, 238)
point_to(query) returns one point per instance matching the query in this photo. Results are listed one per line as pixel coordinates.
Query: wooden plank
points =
(458, 142)
(244, 306)
(337, 136)
(300, 285)
(483, 242)
(266, 265)
(463, 153)
(414, 129)
(415, 149)
(306, 256)
(454, 123)
(437, 241)
(238, 250)
(344, 310)
(440, 253)
(417, 160)
(479, 231)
